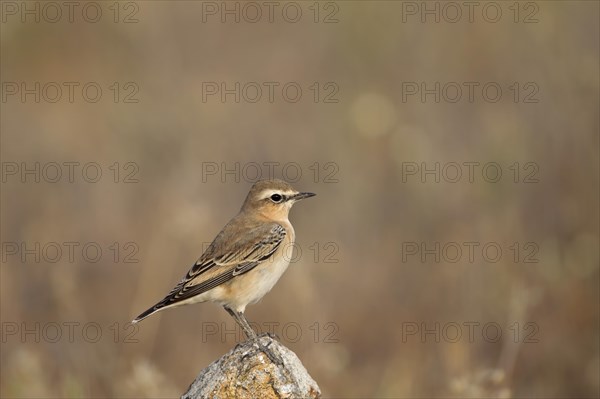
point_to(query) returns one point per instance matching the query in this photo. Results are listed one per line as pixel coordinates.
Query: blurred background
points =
(452, 248)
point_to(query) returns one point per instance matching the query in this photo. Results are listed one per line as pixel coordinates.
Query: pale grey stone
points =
(246, 372)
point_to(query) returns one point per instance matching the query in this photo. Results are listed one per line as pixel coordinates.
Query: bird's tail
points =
(159, 306)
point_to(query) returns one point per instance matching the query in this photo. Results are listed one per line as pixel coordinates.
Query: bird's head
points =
(272, 199)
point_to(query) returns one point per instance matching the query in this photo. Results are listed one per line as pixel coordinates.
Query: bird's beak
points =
(300, 196)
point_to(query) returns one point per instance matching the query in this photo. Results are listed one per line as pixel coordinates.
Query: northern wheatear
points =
(246, 258)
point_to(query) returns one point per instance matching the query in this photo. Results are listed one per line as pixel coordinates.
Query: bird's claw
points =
(276, 359)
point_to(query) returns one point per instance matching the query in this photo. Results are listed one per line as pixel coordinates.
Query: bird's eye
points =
(276, 198)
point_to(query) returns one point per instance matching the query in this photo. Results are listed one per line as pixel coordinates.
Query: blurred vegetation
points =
(370, 134)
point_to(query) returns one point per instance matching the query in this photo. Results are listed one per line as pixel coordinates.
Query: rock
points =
(246, 372)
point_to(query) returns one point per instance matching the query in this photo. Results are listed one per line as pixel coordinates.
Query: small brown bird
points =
(246, 258)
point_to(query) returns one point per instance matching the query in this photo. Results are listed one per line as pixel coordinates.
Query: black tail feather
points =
(148, 312)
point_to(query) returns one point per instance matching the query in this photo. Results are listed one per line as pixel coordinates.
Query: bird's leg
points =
(242, 322)
(270, 335)
(251, 335)
(270, 354)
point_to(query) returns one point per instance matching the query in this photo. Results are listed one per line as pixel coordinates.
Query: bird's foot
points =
(275, 358)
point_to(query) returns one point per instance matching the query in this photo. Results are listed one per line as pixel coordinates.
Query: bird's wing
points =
(222, 261)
